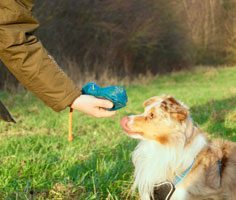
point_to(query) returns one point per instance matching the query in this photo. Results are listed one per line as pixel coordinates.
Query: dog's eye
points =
(151, 116)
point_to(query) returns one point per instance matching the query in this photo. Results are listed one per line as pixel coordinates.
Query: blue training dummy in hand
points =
(116, 94)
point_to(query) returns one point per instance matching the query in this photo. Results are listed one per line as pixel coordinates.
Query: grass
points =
(37, 162)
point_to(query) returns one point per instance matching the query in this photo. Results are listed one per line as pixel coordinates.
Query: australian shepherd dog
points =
(174, 149)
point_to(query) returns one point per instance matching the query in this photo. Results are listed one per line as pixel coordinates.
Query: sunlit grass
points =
(37, 161)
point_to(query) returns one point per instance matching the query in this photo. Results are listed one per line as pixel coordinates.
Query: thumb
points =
(103, 103)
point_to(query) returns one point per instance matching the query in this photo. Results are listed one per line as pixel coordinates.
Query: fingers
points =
(93, 106)
(103, 103)
(104, 113)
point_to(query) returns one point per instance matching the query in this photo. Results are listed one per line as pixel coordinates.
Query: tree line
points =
(136, 36)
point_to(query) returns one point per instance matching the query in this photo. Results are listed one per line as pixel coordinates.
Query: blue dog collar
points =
(180, 178)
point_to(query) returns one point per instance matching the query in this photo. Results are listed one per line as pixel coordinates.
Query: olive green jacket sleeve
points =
(27, 59)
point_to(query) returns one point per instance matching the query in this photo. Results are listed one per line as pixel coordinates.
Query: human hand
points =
(93, 106)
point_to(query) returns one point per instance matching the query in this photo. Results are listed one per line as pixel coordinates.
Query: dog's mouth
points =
(124, 124)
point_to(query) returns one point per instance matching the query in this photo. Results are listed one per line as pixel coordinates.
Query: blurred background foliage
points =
(125, 38)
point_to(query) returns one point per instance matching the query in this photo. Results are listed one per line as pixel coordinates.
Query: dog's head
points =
(162, 118)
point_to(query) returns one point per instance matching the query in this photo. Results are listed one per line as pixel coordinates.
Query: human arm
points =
(27, 59)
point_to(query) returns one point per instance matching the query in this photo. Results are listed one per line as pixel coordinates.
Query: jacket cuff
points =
(67, 101)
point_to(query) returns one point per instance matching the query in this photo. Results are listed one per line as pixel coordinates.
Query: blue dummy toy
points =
(116, 94)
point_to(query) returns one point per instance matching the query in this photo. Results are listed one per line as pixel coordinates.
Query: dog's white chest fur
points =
(155, 163)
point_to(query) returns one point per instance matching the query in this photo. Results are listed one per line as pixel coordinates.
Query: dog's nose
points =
(124, 121)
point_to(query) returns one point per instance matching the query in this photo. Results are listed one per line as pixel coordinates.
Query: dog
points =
(173, 148)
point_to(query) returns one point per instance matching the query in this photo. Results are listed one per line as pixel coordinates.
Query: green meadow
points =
(38, 162)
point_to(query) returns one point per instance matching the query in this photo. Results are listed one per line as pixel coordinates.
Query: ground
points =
(37, 161)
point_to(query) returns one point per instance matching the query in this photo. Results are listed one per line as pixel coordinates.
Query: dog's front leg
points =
(179, 194)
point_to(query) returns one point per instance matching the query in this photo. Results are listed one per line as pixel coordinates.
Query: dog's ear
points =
(176, 110)
(180, 115)
(150, 101)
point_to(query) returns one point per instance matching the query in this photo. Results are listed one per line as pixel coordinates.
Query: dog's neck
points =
(155, 163)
